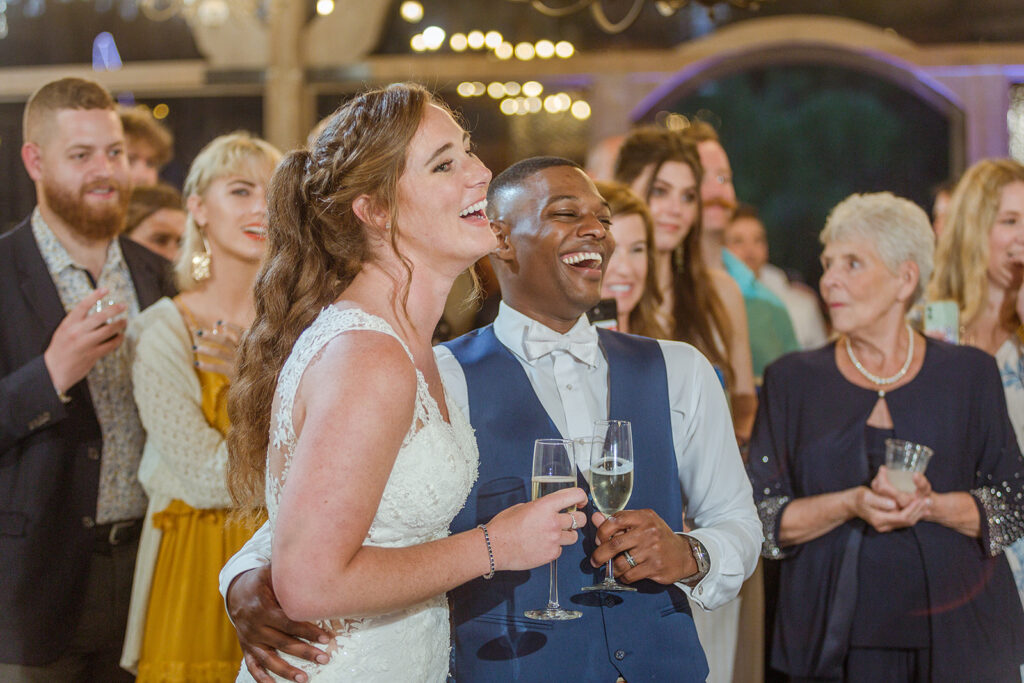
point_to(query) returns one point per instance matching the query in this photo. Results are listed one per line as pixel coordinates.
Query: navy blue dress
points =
(810, 438)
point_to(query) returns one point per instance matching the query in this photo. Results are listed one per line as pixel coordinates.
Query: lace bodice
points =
(433, 473)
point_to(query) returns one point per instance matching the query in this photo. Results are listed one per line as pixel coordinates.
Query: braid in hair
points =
(316, 245)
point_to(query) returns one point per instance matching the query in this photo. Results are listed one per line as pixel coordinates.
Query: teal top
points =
(768, 324)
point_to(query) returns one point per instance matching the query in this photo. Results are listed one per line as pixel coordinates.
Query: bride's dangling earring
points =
(200, 265)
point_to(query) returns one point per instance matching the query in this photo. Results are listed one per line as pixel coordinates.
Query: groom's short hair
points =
(514, 175)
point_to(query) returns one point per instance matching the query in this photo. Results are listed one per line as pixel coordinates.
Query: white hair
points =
(898, 228)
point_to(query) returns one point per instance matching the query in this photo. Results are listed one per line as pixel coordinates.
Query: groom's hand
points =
(660, 554)
(263, 628)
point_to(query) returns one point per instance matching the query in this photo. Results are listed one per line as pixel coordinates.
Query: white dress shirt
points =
(713, 484)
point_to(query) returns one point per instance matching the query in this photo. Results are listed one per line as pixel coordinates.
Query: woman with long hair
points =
(340, 423)
(978, 265)
(629, 277)
(183, 361)
(700, 306)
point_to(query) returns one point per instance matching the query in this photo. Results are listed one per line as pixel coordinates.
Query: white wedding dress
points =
(431, 478)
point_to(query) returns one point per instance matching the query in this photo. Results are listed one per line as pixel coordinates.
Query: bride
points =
(340, 421)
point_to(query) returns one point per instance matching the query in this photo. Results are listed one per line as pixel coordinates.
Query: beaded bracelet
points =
(490, 553)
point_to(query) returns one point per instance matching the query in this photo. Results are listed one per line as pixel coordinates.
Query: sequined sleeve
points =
(770, 510)
(999, 473)
(768, 467)
(1002, 506)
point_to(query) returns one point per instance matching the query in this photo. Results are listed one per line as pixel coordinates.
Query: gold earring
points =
(677, 256)
(201, 262)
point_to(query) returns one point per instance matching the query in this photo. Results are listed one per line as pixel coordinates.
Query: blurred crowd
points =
(126, 298)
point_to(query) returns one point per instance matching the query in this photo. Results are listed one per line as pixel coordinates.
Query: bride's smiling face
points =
(442, 196)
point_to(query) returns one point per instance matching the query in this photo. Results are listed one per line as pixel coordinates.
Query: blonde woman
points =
(183, 361)
(978, 265)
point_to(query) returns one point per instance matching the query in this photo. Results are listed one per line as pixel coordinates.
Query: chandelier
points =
(666, 8)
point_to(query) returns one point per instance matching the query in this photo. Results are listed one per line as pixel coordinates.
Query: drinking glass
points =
(611, 480)
(553, 470)
(903, 458)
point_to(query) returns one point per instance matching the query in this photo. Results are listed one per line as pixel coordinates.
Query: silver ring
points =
(629, 558)
(574, 525)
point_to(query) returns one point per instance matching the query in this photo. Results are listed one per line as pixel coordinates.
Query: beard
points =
(92, 222)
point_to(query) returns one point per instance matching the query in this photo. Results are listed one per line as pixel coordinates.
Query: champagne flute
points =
(553, 470)
(611, 480)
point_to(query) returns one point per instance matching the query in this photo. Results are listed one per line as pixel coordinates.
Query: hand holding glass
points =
(611, 480)
(553, 469)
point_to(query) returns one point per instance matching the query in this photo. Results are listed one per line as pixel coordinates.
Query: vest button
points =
(93, 453)
(88, 522)
(620, 655)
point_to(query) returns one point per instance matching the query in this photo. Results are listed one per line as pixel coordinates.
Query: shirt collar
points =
(512, 327)
(56, 256)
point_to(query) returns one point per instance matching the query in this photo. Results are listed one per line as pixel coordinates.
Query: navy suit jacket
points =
(49, 455)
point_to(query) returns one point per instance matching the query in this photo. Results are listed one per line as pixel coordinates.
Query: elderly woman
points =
(876, 584)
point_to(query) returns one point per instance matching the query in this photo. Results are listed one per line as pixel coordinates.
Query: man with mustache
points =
(543, 371)
(741, 637)
(771, 331)
(70, 439)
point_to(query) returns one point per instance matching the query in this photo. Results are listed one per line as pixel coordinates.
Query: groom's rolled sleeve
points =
(255, 553)
(715, 489)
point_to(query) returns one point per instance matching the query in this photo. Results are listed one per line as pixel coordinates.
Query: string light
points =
(411, 11)
(324, 7)
(524, 51)
(433, 37)
(581, 110)
(545, 49)
(532, 88)
(492, 39)
(459, 42)
(476, 39)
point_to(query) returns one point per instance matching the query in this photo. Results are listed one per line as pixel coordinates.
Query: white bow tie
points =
(580, 342)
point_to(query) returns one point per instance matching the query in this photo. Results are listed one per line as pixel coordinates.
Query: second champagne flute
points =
(553, 469)
(611, 480)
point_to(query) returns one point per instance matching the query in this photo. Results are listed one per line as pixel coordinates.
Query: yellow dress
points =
(187, 635)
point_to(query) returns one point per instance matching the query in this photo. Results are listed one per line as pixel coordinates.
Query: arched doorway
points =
(806, 124)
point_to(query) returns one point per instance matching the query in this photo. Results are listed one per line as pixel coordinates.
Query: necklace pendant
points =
(881, 393)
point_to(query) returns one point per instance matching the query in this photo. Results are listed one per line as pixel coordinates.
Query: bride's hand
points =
(532, 534)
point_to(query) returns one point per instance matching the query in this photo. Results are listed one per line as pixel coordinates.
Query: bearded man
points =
(70, 439)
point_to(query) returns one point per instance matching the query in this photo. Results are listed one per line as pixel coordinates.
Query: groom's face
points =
(557, 246)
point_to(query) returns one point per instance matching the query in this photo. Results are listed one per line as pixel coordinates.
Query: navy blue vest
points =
(643, 636)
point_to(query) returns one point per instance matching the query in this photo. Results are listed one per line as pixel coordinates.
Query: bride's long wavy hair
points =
(315, 247)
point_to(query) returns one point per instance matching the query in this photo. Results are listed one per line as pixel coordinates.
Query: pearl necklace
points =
(883, 381)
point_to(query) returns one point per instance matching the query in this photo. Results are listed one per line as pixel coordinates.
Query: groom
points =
(541, 370)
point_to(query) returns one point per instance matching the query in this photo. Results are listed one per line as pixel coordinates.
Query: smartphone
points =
(942, 320)
(604, 314)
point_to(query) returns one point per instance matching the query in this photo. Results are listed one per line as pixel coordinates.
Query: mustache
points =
(116, 185)
(721, 203)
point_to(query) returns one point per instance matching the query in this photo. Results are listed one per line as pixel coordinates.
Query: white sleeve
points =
(453, 378)
(714, 483)
(255, 553)
(184, 456)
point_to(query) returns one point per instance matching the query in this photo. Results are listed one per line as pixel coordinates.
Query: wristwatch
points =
(701, 557)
